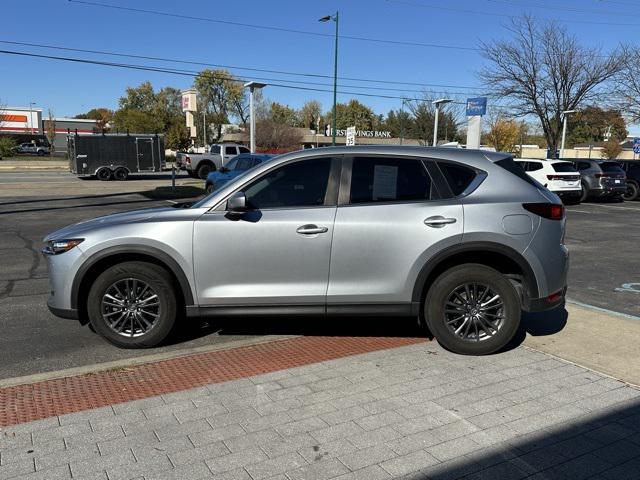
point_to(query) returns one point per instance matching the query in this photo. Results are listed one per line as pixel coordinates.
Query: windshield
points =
(232, 164)
(234, 181)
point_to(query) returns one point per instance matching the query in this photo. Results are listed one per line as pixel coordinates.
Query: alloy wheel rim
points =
(130, 307)
(474, 312)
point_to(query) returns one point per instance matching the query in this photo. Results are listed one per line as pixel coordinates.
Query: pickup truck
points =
(33, 149)
(200, 165)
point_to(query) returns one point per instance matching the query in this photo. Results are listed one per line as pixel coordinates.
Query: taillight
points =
(551, 211)
(568, 178)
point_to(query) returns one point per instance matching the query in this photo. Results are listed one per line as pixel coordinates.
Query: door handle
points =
(311, 230)
(438, 221)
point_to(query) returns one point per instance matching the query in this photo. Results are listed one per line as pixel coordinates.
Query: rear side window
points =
(230, 150)
(244, 150)
(460, 177)
(382, 179)
(610, 167)
(215, 149)
(533, 166)
(583, 165)
(509, 165)
(564, 167)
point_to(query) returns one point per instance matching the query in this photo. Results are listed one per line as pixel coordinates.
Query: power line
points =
(206, 64)
(192, 74)
(503, 15)
(555, 7)
(272, 28)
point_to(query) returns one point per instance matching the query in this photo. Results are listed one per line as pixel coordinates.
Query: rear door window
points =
(215, 149)
(563, 167)
(460, 177)
(380, 179)
(229, 150)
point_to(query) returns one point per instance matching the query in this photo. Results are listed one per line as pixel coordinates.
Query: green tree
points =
(352, 114)
(283, 114)
(423, 116)
(7, 146)
(594, 124)
(309, 114)
(177, 137)
(222, 96)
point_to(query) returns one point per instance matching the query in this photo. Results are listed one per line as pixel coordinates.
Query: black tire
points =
(632, 192)
(437, 315)
(121, 174)
(104, 174)
(160, 283)
(204, 170)
(40, 153)
(585, 192)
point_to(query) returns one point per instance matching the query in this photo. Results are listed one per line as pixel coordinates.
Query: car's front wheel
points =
(584, 194)
(472, 309)
(133, 304)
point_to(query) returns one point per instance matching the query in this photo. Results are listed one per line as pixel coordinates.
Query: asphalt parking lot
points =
(602, 238)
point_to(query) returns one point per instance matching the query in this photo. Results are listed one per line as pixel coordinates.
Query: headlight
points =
(56, 247)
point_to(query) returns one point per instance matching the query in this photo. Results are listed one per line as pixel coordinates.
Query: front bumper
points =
(66, 313)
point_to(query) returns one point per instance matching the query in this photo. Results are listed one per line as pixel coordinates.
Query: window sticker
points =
(385, 180)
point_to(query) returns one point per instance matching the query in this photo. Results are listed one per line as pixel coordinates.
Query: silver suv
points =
(462, 240)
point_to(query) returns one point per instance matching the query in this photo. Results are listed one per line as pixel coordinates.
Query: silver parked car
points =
(463, 240)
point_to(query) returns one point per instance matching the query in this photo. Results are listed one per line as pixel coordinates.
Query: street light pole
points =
(31, 104)
(437, 103)
(252, 86)
(335, 18)
(565, 113)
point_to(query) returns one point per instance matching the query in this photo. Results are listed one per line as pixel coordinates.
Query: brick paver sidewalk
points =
(415, 411)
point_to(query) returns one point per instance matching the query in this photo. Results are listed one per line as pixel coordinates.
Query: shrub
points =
(7, 146)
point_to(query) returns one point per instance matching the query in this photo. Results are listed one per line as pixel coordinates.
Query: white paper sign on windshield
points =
(385, 180)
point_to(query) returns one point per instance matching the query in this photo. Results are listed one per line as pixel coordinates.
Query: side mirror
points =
(237, 204)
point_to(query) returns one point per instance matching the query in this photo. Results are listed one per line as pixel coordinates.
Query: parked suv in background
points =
(601, 178)
(558, 176)
(200, 165)
(462, 239)
(632, 170)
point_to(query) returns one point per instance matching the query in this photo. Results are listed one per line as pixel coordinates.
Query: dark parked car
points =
(601, 179)
(632, 169)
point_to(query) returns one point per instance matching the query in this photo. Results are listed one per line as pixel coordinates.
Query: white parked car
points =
(558, 176)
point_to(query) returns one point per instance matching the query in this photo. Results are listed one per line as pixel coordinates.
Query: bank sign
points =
(359, 133)
(476, 106)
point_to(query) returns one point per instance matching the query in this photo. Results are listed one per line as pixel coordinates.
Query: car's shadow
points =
(300, 325)
(534, 324)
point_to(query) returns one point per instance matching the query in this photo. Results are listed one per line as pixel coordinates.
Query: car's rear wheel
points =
(40, 153)
(133, 304)
(472, 309)
(632, 192)
(585, 192)
(104, 174)
(204, 171)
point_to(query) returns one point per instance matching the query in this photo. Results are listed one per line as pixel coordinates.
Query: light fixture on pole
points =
(565, 113)
(437, 103)
(252, 86)
(335, 18)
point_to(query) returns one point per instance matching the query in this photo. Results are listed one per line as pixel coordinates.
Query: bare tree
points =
(50, 128)
(628, 82)
(277, 137)
(543, 70)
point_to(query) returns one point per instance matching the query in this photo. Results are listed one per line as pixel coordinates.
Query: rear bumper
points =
(568, 193)
(608, 191)
(546, 303)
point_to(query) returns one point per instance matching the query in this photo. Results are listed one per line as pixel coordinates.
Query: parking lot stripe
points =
(28, 402)
(604, 310)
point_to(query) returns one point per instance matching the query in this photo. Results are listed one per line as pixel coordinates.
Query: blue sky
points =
(69, 89)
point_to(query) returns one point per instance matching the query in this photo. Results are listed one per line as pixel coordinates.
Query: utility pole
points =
(335, 18)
